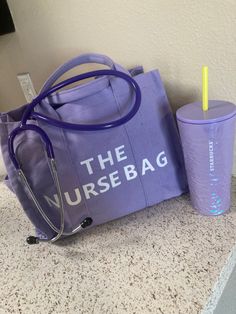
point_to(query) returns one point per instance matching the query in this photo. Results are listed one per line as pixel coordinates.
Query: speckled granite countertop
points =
(165, 259)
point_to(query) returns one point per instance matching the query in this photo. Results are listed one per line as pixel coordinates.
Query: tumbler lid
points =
(219, 110)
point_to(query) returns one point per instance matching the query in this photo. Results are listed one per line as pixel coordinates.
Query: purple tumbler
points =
(208, 139)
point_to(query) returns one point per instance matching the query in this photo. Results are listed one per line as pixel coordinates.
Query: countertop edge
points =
(221, 282)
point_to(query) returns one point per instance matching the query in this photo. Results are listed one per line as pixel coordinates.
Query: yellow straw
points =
(204, 88)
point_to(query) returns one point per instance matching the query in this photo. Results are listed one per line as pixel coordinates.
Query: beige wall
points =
(176, 36)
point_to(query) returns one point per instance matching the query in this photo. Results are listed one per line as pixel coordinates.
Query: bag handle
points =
(79, 60)
(83, 127)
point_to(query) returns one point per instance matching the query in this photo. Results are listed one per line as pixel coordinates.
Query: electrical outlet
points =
(27, 86)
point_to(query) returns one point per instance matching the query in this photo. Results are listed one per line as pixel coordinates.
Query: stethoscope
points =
(29, 113)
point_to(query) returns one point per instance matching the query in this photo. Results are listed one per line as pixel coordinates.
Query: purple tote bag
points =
(103, 174)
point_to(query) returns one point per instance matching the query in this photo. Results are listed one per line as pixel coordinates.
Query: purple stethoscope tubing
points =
(30, 127)
(84, 127)
(30, 113)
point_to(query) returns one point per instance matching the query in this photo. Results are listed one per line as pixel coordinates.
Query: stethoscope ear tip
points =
(32, 240)
(86, 222)
(35, 240)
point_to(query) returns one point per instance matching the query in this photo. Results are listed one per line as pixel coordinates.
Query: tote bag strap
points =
(82, 59)
(29, 112)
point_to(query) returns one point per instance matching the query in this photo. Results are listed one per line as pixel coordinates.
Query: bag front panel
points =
(96, 169)
(122, 169)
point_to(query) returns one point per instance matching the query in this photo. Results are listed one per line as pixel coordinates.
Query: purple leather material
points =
(103, 174)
